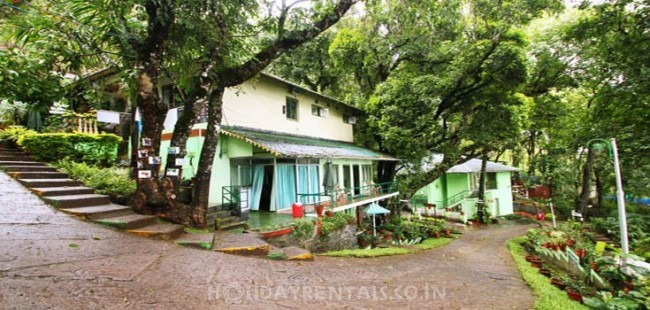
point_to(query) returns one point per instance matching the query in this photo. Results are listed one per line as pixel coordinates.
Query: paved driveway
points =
(51, 260)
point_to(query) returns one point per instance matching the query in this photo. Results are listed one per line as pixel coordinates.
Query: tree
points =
(205, 46)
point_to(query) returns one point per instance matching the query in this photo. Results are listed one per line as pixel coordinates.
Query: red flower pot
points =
(581, 253)
(536, 264)
(319, 210)
(558, 283)
(276, 233)
(545, 272)
(574, 295)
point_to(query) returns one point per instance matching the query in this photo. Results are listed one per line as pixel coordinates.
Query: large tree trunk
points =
(202, 180)
(481, 190)
(150, 195)
(585, 192)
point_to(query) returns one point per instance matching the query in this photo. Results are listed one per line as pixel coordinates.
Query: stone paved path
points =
(49, 260)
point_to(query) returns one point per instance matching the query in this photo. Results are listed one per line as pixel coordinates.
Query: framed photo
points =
(142, 153)
(146, 141)
(180, 162)
(140, 164)
(144, 174)
(155, 160)
(174, 150)
(173, 172)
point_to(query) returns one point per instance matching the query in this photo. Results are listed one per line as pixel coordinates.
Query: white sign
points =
(171, 118)
(108, 116)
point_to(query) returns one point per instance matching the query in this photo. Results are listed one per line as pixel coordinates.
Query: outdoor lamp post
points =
(620, 195)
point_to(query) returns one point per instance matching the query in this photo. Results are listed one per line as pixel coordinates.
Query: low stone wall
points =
(345, 238)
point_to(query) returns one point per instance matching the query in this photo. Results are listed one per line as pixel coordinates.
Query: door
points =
(267, 188)
(356, 179)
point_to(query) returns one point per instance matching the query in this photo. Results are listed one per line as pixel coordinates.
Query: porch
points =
(345, 199)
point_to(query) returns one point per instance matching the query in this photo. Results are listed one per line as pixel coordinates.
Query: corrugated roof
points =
(474, 166)
(286, 145)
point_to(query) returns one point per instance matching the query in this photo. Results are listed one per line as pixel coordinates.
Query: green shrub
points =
(106, 181)
(548, 296)
(13, 133)
(336, 222)
(99, 149)
(303, 228)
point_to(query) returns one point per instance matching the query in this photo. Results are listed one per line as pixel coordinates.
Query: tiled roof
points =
(286, 145)
(474, 166)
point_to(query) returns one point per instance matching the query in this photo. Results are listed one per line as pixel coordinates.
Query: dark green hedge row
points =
(98, 149)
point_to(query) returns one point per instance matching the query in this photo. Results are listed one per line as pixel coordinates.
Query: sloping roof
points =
(474, 166)
(293, 146)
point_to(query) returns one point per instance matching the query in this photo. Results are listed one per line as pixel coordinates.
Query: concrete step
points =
(199, 241)
(218, 214)
(22, 163)
(61, 191)
(14, 157)
(38, 175)
(240, 244)
(21, 168)
(296, 253)
(75, 201)
(100, 212)
(130, 221)
(232, 225)
(49, 182)
(160, 231)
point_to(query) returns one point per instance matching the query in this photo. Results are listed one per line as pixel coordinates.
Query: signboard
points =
(108, 116)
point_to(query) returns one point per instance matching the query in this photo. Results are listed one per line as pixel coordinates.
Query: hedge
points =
(78, 147)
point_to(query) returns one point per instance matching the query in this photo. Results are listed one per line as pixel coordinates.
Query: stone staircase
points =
(69, 196)
(223, 219)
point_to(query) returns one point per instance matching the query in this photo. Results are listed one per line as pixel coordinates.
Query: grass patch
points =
(548, 296)
(365, 253)
(196, 231)
(432, 243)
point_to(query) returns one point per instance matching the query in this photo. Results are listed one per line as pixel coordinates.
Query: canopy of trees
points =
(529, 82)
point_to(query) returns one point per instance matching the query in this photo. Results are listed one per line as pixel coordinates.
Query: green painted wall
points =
(502, 196)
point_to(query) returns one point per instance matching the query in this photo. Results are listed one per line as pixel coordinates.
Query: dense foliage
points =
(114, 182)
(78, 147)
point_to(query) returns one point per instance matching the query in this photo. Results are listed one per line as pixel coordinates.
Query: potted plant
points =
(545, 272)
(319, 210)
(576, 290)
(559, 282)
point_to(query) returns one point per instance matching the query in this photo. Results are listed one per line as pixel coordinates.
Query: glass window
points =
(291, 108)
(319, 111)
(491, 180)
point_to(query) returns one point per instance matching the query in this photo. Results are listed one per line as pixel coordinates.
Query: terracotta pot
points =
(562, 246)
(558, 283)
(329, 213)
(574, 295)
(319, 210)
(447, 232)
(570, 242)
(536, 264)
(581, 253)
(275, 233)
(531, 258)
(545, 272)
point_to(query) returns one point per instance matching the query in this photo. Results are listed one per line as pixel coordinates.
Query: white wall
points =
(259, 104)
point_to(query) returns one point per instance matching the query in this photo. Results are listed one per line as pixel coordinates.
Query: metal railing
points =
(345, 195)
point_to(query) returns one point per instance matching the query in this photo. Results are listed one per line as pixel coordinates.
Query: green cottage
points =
(455, 194)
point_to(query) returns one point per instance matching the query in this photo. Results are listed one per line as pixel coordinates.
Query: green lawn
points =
(549, 297)
(427, 244)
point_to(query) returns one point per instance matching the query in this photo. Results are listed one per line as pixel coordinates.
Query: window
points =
(171, 97)
(319, 111)
(348, 119)
(491, 180)
(291, 108)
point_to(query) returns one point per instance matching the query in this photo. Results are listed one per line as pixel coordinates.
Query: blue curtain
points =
(258, 182)
(303, 183)
(286, 186)
(314, 186)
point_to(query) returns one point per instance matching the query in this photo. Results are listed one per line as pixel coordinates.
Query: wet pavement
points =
(50, 260)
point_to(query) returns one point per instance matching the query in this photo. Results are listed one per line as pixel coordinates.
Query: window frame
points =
(291, 108)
